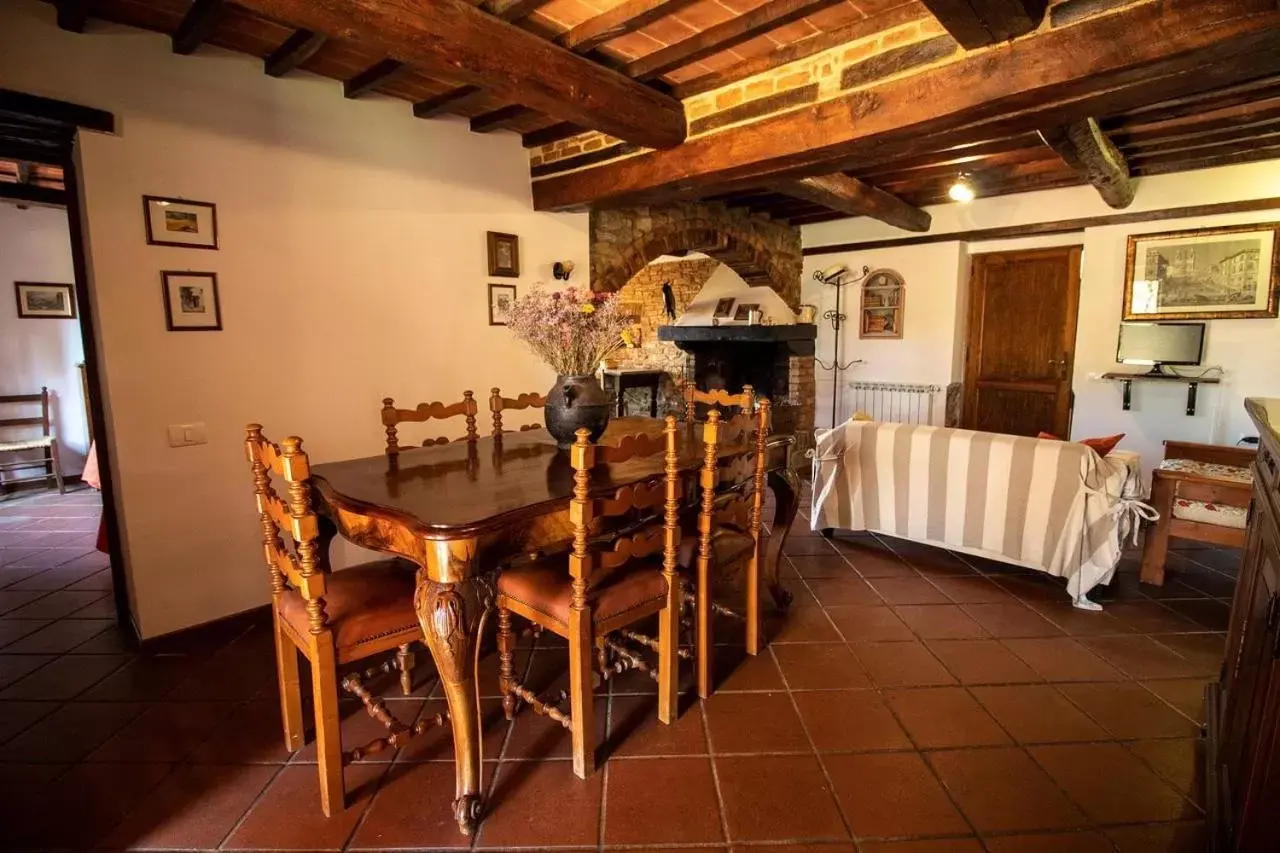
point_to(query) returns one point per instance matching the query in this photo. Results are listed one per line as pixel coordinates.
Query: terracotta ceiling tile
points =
(633, 45)
(835, 16)
(671, 30)
(789, 33)
(875, 7)
(705, 14)
(742, 6)
(570, 13)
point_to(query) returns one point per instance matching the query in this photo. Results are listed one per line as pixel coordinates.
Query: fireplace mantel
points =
(798, 337)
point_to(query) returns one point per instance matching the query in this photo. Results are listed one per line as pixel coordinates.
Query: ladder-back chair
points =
(392, 417)
(609, 581)
(333, 618)
(497, 403)
(47, 443)
(729, 529)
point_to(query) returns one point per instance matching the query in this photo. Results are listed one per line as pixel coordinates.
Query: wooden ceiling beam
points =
(547, 135)
(1086, 149)
(852, 197)
(371, 78)
(33, 194)
(624, 18)
(297, 49)
(1049, 78)
(499, 119)
(1197, 103)
(476, 49)
(1199, 138)
(736, 30)
(196, 26)
(448, 101)
(979, 23)
(513, 10)
(1223, 118)
(73, 15)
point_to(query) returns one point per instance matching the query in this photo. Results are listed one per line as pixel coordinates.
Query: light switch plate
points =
(186, 435)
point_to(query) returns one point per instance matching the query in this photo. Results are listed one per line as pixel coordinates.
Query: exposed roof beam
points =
(446, 101)
(297, 49)
(514, 10)
(796, 50)
(736, 30)
(1052, 77)
(1085, 148)
(371, 78)
(33, 194)
(477, 49)
(498, 119)
(547, 135)
(196, 26)
(626, 17)
(978, 23)
(73, 15)
(853, 197)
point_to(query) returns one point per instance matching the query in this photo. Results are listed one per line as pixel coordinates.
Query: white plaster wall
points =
(724, 283)
(352, 267)
(35, 246)
(1248, 350)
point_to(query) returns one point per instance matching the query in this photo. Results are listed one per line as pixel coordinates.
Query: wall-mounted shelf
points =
(883, 296)
(1127, 379)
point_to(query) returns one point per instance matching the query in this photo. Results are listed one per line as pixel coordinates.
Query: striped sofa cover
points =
(1053, 506)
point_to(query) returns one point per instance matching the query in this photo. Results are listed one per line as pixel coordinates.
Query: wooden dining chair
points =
(333, 618)
(610, 579)
(729, 529)
(744, 402)
(46, 444)
(497, 403)
(392, 417)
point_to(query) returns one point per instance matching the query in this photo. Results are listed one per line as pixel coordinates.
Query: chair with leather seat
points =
(620, 569)
(333, 618)
(499, 403)
(423, 412)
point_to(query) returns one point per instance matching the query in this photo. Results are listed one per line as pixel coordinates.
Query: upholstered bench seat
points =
(1208, 470)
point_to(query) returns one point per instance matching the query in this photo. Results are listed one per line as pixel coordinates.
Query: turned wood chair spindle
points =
(497, 403)
(423, 412)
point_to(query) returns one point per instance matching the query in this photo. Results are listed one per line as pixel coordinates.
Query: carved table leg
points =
(785, 486)
(451, 616)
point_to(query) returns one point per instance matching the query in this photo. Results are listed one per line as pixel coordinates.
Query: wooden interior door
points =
(1021, 341)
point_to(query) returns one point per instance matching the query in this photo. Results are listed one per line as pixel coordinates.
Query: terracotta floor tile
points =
(399, 816)
(850, 720)
(737, 671)
(830, 847)
(436, 743)
(103, 794)
(1081, 623)
(1002, 790)
(144, 678)
(12, 630)
(844, 590)
(940, 622)
(295, 791)
(1128, 711)
(1187, 695)
(15, 667)
(1011, 619)
(817, 666)
(1073, 842)
(253, 734)
(776, 797)
(869, 624)
(196, 807)
(806, 625)
(65, 677)
(537, 737)
(522, 794)
(59, 637)
(941, 845)
(680, 792)
(753, 722)
(982, 662)
(1037, 713)
(1178, 762)
(942, 717)
(1209, 613)
(1205, 652)
(1142, 657)
(634, 729)
(1150, 617)
(892, 795)
(1063, 659)
(908, 591)
(1169, 838)
(168, 732)
(70, 732)
(822, 566)
(55, 605)
(971, 590)
(16, 716)
(1111, 784)
(806, 545)
(902, 664)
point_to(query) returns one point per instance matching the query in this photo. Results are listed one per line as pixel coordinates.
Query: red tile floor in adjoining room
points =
(913, 701)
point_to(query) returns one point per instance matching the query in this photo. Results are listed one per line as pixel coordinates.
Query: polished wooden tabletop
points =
(456, 488)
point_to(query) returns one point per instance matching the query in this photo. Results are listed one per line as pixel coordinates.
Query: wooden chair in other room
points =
(497, 403)
(391, 417)
(729, 527)
(46, 443)
(1202, 492)
(608, 582)
(333, 618)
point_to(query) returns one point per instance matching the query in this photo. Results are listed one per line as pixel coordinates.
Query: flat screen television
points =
(1158, 344)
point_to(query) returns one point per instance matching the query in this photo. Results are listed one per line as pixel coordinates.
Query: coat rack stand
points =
(839, 278)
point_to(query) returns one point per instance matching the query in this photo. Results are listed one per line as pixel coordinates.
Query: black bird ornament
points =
(669, 300)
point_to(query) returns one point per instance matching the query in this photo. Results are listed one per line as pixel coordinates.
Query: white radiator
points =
(894, 402)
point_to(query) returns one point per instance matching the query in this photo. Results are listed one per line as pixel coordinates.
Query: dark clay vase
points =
(575, 402)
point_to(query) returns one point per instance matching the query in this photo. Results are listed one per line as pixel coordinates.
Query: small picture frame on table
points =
(191, 301)
(40, 301)
(504, 254)
(178, 222)
(501, 298)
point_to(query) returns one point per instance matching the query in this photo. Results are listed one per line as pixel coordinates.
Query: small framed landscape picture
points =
(47, 301)
(191, 301)
(501, 298)
(743, 312)
(176, 222)
(724, 308)
(504, 255)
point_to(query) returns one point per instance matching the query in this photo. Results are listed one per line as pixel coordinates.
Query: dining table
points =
(462, 511)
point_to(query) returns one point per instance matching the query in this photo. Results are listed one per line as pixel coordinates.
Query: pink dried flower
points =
(571, 330)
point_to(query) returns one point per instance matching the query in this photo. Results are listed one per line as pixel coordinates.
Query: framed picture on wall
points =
(37, 300)
(724, 308)
(1203, 274)
(501, 298)
(504, 255)
(191, 301)
(178, 222)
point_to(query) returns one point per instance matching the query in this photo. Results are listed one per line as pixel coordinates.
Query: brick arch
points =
(763, 251)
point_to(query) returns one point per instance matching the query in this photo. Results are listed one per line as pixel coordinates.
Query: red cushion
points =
(1101, 446)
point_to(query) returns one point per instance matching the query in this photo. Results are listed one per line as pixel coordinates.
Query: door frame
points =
(1074, 253)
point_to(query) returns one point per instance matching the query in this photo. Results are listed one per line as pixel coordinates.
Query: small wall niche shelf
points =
(883, 295)
(1126, 380)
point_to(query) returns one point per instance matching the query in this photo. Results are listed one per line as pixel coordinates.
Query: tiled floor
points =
(912, 702)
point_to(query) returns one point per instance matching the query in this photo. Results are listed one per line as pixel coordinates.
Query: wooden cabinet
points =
(1244, 712)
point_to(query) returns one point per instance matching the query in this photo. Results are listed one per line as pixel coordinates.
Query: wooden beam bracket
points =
(979, 23)
(196, 26)
(844, 194)
(1086, 149)
(371, 78)
(297, 49)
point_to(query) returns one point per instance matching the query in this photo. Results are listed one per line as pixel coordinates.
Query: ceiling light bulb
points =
(962, 191)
